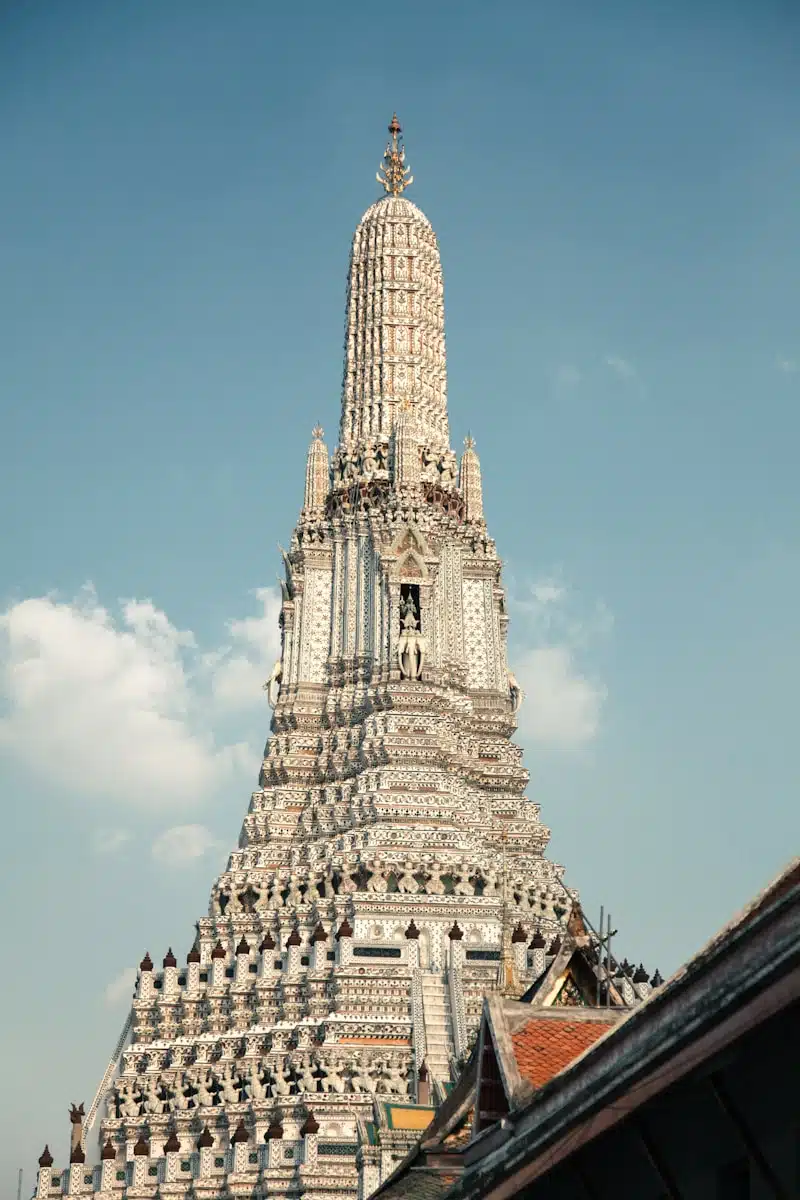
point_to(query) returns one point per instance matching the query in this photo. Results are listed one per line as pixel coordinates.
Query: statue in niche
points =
(408, 613)
(412, 646)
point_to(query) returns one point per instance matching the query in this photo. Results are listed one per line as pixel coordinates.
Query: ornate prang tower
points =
(390, 869)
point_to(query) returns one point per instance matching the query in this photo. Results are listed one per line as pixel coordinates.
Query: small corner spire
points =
(393, 174)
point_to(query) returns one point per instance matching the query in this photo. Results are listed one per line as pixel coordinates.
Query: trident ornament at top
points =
(393, 173)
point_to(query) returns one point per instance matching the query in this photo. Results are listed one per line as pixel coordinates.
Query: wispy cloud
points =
(182, 844)
(128, 704)
(109, 841)
(564, 699)
(621, 366)
(789, 366)
(120, 988)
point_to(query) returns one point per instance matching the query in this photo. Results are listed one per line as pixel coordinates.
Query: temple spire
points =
(393, 173)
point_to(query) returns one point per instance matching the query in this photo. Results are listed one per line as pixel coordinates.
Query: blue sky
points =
(615, 192)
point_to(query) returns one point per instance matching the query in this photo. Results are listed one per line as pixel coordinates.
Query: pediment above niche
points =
(410, 557)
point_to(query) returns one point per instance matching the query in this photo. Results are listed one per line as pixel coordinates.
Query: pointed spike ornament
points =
(393, 174)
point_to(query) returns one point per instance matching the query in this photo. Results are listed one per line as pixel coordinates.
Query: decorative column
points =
(170, 985)
(44, 1177)
(273, 1138)
(293, 943)
(108, 1166)
(193, 971)
(537, 949)
(218, 957)
(412, 948)
(519, 949)
(368, 1162)
(172, 1154)
(308, 1132)
(267, 951)
(456, 936)
(240, 1143)
(141, 1160)
(145, 989)
(319, 948)
(242, 961)
(344, 938)
(205, 1144)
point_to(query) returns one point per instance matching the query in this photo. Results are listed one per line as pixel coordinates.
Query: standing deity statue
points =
(435, 884)
(334, 1080)
(258, 1083)
(294, 895)
(461, 883)
(377, 880)
(406, 881)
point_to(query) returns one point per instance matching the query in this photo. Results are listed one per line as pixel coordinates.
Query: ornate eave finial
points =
(393, 174)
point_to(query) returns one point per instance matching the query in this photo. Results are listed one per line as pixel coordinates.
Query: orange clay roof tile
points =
(545, 1046)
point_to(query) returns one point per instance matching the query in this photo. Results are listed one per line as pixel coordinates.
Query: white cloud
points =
(108, 841)
(567, 375)
(125, 702)
(121, 988)
(181, 844)
(563, 700)
(562, 706)
(789, 366)
(239, 671)
(622, 367)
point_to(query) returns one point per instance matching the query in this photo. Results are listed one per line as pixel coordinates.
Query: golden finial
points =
(393, 173)
(318, 433)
